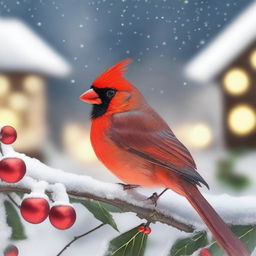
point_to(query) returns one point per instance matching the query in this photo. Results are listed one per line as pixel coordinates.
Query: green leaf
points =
(130, 243)
(13, 220)
(111, 208)
(98, 210)
(247, 234)
(227, 175)
(189, 245)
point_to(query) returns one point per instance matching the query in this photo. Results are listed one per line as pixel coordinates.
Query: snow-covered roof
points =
(21, 49)
(224, 48)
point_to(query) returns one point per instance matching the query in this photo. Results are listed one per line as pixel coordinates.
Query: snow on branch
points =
(172, 209)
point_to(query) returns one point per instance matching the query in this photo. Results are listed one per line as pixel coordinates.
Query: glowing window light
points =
(9, 117)
(236, 81)
(77, 143)
(33, 84)
(4, 85)
(242, 120)
(253, 59)
(18, 101)
(199, 135)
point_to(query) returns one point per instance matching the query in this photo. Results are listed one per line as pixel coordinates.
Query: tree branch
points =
(13, 201)
(78, 237)
(150, 214)
(174, 210)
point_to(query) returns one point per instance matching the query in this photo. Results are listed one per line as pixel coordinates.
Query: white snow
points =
(170, 204)
(232, 41)
(59, 194)
(37, 188)
(21, 49)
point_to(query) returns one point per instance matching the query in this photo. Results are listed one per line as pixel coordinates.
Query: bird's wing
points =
(146, 135)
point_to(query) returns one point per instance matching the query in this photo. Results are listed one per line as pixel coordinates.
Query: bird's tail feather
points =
(221, 232)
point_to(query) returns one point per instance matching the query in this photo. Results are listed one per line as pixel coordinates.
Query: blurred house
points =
(26, 61)
(230, 61)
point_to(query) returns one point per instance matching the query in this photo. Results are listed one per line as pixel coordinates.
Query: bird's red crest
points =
(113, 77)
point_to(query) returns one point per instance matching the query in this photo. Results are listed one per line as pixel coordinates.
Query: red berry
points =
(8, 134)
(205, 252)
(141, 228)
(12, 169)
(62, 216)
(147, 230)
(11, 250)
(34, 210)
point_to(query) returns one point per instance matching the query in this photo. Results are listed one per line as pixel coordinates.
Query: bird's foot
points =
(154, 197)
(128, 186)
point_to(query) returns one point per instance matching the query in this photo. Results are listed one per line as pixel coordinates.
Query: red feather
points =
(113, 77)
(138, 146)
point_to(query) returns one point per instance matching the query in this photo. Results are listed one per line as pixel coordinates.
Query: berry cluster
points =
(35, 208)
(145, 229)
(12, 169)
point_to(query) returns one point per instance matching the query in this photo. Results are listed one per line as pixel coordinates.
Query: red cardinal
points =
(138, 146)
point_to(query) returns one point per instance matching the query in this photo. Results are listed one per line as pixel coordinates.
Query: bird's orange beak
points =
(91, 96)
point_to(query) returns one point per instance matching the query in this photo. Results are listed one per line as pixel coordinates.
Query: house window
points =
(236, 81)
(33, 84)
(19, 101)
(242, 119)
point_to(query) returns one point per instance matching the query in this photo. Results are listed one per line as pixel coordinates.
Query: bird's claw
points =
(128, 186)
(153, 198)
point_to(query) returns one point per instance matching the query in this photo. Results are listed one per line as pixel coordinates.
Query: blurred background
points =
(195, 62)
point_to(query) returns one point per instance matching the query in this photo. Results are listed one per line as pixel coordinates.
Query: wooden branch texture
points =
(175, 212)
(150, 214)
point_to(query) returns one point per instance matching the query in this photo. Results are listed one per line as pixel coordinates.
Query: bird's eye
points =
(110, 93)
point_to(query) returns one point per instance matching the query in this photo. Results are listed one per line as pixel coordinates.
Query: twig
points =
(151, 214)
(13, 201)
(78, 237)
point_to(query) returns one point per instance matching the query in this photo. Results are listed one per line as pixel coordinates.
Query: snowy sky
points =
(160, 35)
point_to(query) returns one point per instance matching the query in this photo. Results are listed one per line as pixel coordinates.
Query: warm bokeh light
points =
(236, 81)
(33, 84)
(253, 59)
(200, 135)
(242, 119)
(9, 117)
(197, 135)
(77, 143)
(4, 85)
(18, 101)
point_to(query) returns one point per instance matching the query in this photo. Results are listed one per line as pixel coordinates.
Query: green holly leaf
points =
(189, 245)
(112, 208)
(247, 234)
(13, 220)
(130, 243)
(98, 210)
(227, 175)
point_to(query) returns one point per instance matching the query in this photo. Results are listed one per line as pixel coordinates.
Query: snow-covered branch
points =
(172, 209)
